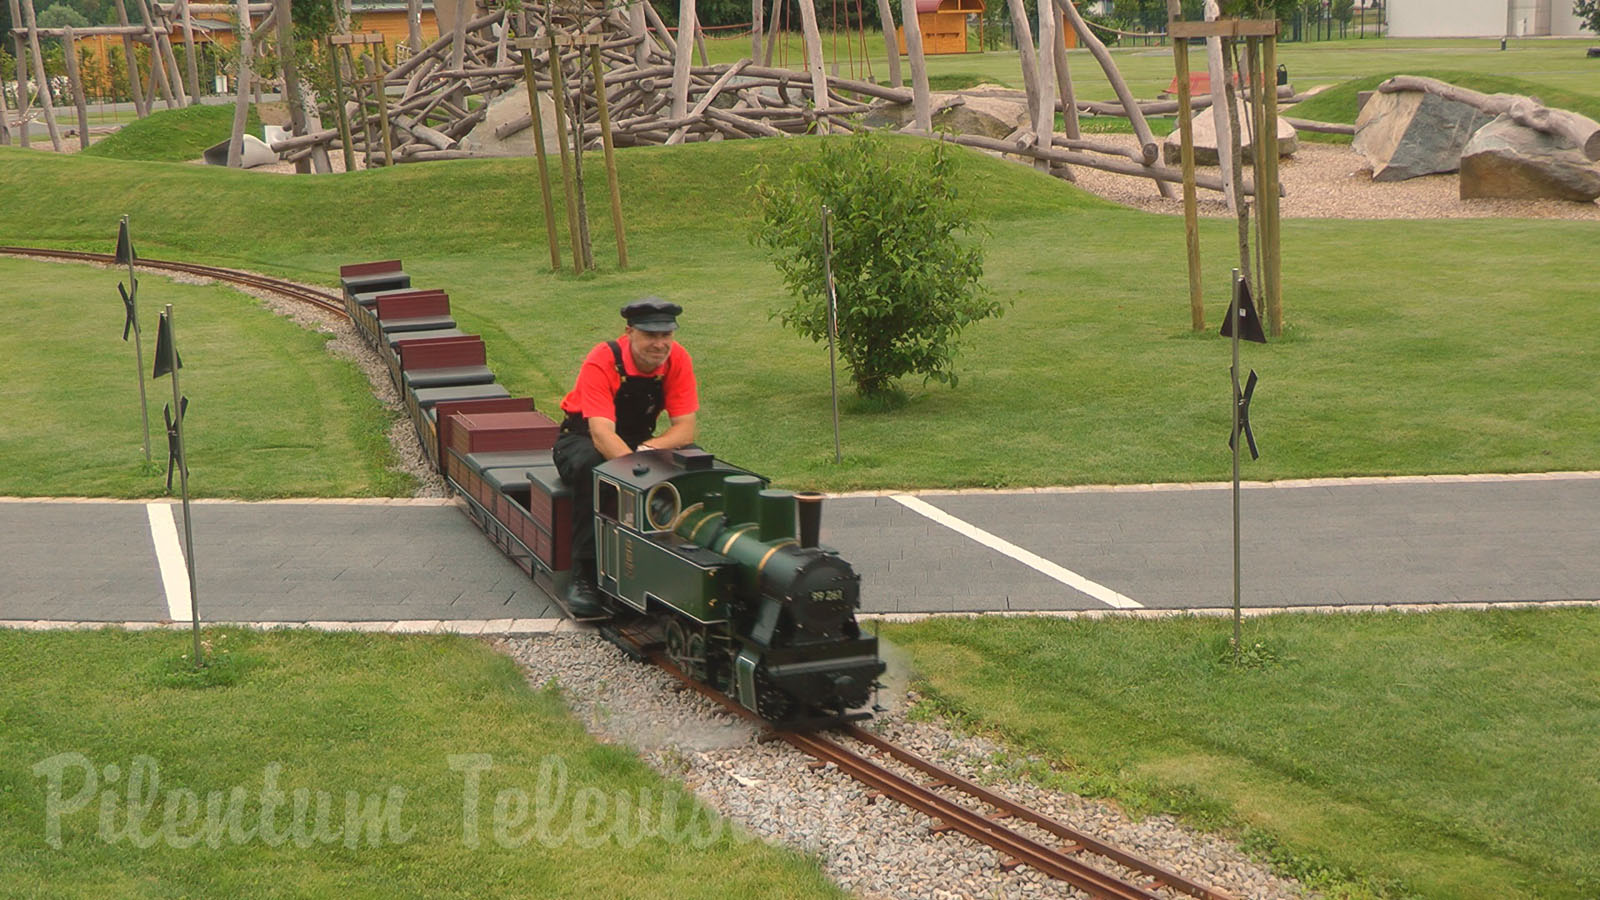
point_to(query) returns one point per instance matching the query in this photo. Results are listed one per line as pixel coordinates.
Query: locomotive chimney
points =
(810, 509)
(777, 515)
(739, 498)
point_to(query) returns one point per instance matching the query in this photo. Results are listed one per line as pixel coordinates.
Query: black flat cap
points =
(652, 314)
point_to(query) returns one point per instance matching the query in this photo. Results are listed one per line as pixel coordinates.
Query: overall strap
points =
(616, 356)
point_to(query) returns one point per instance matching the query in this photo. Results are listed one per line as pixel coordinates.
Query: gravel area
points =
(873, 847)
(1332, 181)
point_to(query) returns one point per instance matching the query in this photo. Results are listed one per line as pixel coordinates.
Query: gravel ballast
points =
(871, 846)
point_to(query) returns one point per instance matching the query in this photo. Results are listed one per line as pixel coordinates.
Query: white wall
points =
(1447, 18)
(1482, 18)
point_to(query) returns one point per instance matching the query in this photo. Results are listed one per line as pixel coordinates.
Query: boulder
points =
(1404, 134)
(510, 106)
(1505, 159)
(1205, 141)
(993, 117)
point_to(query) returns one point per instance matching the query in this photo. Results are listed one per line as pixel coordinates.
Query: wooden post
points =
(44, 83)
(1267, 193)
(141, 102)
(1069, 97)
(819, 78)
(756, 7)
(24, 101)
(682, 59)
(919, 69)
(342, 114)
(1141, 128)
(161, 51)
(611, 163)
(558, 92)
(383, 99)
(1219, 107)
(1191, 214)
(1023, 33)
(158, 68)
(241, 98)
(188, 49)
(5, 114)
(891, 45)
(639, 27)
(291, 77)
(1242, 209)
(526, 45)
(414, 25)
(1044, 115)
(70, 51)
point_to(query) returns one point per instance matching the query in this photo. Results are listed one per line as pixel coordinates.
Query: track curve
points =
(324, 300)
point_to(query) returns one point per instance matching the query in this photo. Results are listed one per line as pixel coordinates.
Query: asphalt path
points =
(1360, 542)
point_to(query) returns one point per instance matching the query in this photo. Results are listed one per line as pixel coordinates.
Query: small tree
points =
(1588, 12)
(907, 284)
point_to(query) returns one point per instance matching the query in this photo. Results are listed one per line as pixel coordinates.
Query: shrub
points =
(1588, 12)
(907, 283)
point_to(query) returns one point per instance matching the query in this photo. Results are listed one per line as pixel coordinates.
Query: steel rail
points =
(324, 300)
(1058, 863)
(1012, 808)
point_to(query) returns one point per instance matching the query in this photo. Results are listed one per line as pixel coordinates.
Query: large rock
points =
(1205, 141)
(507, 107)
(1505, 159)
(1409, 133)
(989, 116)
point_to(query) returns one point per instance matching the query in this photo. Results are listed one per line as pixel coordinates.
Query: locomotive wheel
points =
(687, 651)
(772, 704)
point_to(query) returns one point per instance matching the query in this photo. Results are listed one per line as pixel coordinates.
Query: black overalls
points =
(638, 401)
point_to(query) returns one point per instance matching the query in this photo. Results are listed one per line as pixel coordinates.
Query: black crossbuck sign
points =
(1243, 402)
(127, 304)
(172, 437)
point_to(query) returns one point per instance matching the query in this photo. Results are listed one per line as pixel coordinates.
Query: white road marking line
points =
(169, 555)
(1032, 560)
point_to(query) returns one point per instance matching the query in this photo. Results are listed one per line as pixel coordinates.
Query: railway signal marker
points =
(1241, 323)
(168, 363)
(1242, 402)
(172, 437)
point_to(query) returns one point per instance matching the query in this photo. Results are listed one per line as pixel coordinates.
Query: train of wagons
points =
(721, 571)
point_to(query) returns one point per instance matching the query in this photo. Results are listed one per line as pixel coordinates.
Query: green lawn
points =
(271, 413)
(339, 766)
(1444, 755)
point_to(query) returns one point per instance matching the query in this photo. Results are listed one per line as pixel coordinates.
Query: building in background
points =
(1482, 18)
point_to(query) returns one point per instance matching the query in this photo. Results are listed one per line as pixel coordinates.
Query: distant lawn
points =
(351, 765)
(1444, 755)
(173, 135)
(271, 413)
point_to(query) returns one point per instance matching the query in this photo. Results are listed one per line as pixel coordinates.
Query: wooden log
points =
(163, 37)
(414, 25)
(141, 101)
(681, 61)
(44, 83)
(1271, 223)
(158, 69)
(865, 88)
(1141, 128)
(1092, 161)
(241, 100)
(1044, 111)
(24, 100)
(667, 43)
(923, 117)
(425, 155)
(1067, 101)
(1025, 52)
(69, 50)
(189, 54)
(891, 42)
(743, 123)
(1320, 127)
(1220, 112)
(1191, 216)
(711, 94)
(425, 134)
(1528, 112)
(814, 61)
(5, 116)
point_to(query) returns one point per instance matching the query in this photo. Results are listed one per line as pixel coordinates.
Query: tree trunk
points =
(1069, 102)
(44, 82)
(819, 78)
(1219, 106)
(891, 43)
(414, 25)
(70, 52)
(683, 59)
(919, 68)
(141, 102)
(1044, 111)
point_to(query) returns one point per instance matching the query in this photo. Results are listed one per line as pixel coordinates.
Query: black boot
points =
(584, 600)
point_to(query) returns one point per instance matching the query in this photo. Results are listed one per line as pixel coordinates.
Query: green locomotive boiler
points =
(749, 602)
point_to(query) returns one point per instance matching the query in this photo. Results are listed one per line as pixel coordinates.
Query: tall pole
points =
(342, 115)
(558, 93)
(833, 324)
(1233, 320)
(891, 44)
(1267, 193)
(1191, 213)
(138, 343)
(23, 101)
(183, 480)
(611, 162)
(526, 45)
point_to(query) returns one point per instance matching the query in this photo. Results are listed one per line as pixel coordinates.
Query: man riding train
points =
(621, 390)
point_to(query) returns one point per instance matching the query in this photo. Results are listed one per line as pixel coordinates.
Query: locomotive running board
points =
(635, 640)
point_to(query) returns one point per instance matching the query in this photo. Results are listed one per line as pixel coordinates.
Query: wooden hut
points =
(943, 24)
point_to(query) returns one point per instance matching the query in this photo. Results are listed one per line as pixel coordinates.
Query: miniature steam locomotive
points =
(723, 571)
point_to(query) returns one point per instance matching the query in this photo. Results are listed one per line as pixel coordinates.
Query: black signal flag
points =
(167, 358)
(125, 254)
(127, 305)
(1243, 402)
(1249, 322)
(172, 437)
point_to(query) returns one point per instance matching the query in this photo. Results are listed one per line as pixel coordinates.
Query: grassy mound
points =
(173, 135)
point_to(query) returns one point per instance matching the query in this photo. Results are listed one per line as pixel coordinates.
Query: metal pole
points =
(138, 344)
(183, 480)
(1233, 321)
(833, 324)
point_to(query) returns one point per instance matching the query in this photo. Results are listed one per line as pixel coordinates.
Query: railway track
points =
(324, 300)
(1022, 835)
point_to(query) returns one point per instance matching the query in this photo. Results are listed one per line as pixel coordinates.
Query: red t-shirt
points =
(598, 382)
